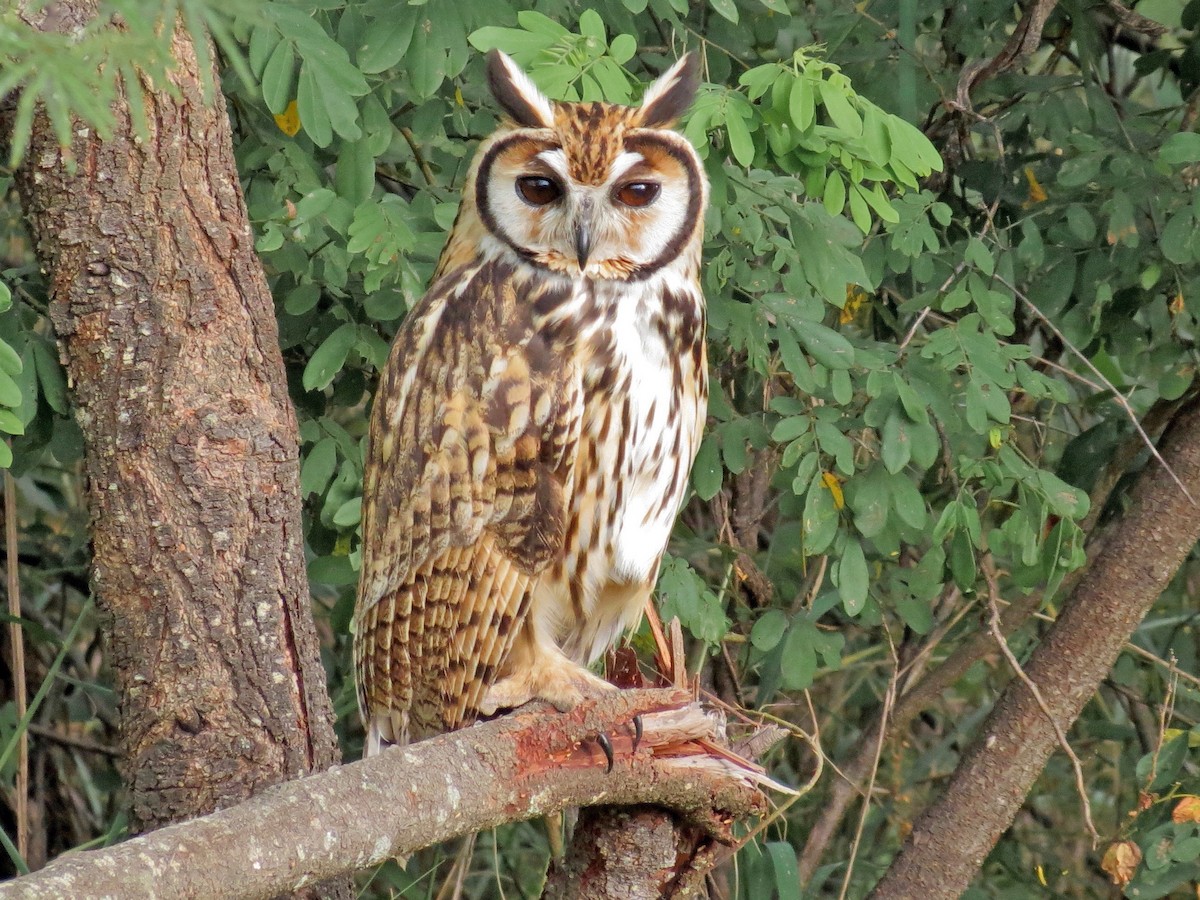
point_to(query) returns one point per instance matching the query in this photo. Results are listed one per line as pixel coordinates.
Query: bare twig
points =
(17, 647)
(889, 701)
(1024, 40)
(989, 575)
(1165, 712)
(70, 740)
(1117, 395)
(426, 172)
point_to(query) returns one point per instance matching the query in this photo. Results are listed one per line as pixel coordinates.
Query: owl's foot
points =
(552, 678)
(556, 680)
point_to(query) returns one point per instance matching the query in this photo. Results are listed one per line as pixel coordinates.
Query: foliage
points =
(922, 379)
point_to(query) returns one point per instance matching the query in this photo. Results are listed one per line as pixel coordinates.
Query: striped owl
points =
(538, 415)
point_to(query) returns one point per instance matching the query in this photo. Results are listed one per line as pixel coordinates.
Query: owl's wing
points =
(463, 497)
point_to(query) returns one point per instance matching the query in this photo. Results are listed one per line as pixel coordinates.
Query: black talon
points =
(637, 732)
(606, 746)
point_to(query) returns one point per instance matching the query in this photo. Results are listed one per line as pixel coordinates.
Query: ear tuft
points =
(516, 93)
(671, 95)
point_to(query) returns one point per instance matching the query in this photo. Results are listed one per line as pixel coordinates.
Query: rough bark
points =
(950, 841)
(638, 853)
(167, 331)
(533, 763)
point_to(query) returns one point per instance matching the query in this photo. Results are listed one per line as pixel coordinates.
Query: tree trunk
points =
(632, 853)
(168, 334)
(950, 841)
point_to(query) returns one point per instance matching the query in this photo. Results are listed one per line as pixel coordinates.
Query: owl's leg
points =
(537, 670)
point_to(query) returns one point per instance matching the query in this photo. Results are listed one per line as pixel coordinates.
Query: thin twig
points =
(17, 641)
(814, 742)
(1117, 395)
(889, 700)
(1165, 713)
(994, 627)
(1174, 671)
(75, 743)
(426, 172)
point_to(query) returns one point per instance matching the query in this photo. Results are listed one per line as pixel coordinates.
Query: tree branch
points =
(953, 836)
(531, 763)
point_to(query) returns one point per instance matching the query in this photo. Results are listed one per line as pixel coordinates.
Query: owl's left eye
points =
(638, 193)
(538, 190)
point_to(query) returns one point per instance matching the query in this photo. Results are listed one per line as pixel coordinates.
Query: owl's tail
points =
(385, 729)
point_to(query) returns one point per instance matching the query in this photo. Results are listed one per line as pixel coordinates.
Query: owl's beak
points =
(583, 242)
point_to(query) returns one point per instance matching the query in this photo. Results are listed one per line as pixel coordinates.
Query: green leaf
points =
(539, 23)
(843, 114)
(331, 63)
(895, 446)
(329, 358)
(828, 347)
(263, 41)
(387, 41)
(820, 520)
(10, 360)
(799, 662)
(336, 570)
(860, 212)
(349, 514)
(310, 103)
(623, 48)
(682, 593)
(962, 560)
(591, 25)
(916, 614)
(1179, 240)
(51, 378)
(278, 76)
(740, 142)
(319, 466)
(510, 40)
(1180, 148)
(853, 579)
(908, 501)
(768, 630)
(834, 196)
(979, 256)
(355, 175)
(801, 103)
(726, 9)
(787, 876)
(10, 423)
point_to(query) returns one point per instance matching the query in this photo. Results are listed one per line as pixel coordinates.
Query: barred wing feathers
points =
(476, 416)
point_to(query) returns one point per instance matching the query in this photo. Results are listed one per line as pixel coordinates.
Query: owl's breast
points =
(645, 369)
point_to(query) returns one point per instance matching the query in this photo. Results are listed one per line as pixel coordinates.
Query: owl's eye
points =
(638, 193)
(538, 190)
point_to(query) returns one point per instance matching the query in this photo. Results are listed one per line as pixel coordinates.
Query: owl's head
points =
(606, 190)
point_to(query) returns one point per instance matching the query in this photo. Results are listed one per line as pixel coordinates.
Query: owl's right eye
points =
(538, 190)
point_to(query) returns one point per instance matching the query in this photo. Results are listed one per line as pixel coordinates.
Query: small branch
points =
(998, 635)
(1024, 40)
(17, 648)
(889, 701)
(528, 764)
(76, 743)
(426, 172)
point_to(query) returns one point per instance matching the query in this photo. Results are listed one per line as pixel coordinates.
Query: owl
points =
(538, 415)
